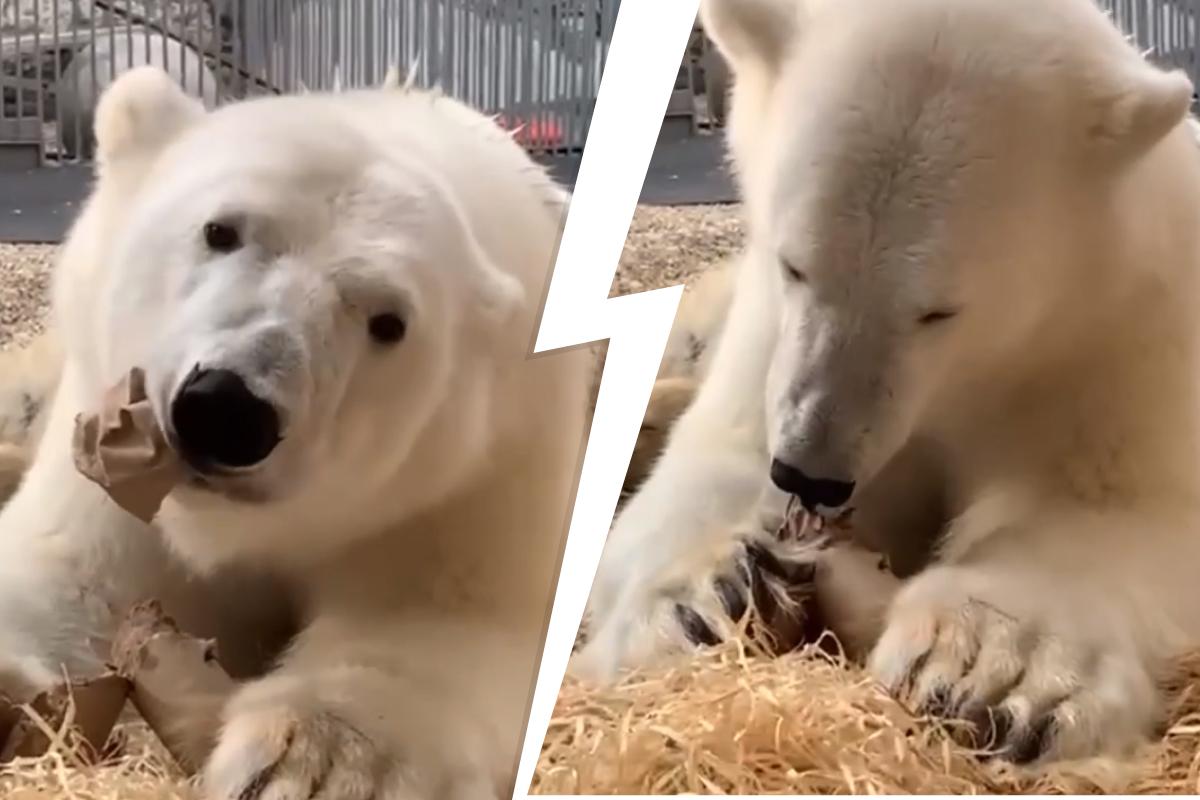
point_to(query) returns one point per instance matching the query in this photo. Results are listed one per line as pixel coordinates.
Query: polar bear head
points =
(303, 284)
(929, 183)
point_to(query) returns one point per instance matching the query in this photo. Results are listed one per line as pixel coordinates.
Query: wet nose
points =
(219, 422)
(812, 492)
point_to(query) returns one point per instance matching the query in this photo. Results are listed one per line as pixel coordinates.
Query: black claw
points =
(792, 573)
(939, 703)
(761, 594)
(995, 726)
(254, 789)
(695, 628)
(1032, 742)
(743, 568)
(763, 560)
(987, 726)
(733, 597)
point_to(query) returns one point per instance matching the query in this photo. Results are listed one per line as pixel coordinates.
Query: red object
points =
(534, 132)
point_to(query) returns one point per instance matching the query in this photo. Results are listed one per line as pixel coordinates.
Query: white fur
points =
(1015, 161)
(411, 518)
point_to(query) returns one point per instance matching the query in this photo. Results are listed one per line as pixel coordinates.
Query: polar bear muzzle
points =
(220, 424)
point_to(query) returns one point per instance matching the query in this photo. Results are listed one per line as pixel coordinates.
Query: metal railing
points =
(1166, 29)
(534, 63)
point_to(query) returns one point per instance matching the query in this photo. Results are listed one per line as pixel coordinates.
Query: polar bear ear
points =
(139, 113)
(1139, 108)
(759, 31)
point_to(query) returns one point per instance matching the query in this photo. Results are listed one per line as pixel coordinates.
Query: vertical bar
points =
(318, 47)
(40, 95)
(289, 31)
(571, 62)
(239, 56)
(128, 20)
(592, 46)
(449, 72)
(146, 42)
(185, 46)
(512, 61)
(492, 62)
(405, 26)
(449, 76)
(268, 44)
(528, 66)
(59, 125)
(547, 82)
(78, 122)
(93, 42)
(563, 66)
(164, 26)
(13, 126)
(428, 8)
(112, 45)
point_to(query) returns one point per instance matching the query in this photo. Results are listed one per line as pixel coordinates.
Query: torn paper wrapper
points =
(179, 687)
(93, 706)
(123, 450)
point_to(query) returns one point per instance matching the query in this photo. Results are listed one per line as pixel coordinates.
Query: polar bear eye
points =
(222, 237)
(934, 317)
(792, 272)
(386, 328)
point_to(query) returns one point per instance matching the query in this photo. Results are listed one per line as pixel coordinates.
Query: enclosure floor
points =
(38, 206)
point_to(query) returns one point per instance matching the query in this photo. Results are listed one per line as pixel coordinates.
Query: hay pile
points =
(728, 722)
(140, 770)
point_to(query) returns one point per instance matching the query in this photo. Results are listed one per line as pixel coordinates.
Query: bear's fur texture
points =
(971, 292)
(407, 526)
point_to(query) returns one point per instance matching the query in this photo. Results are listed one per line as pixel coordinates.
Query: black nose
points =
(219, 422)
(812, 492)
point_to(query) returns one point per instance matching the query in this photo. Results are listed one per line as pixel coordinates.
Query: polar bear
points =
(333, 297)
(968, 314)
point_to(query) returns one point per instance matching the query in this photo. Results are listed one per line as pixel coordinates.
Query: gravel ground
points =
(24, 290)
(667, 245)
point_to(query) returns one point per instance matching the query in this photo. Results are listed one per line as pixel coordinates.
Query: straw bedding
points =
(731, 722)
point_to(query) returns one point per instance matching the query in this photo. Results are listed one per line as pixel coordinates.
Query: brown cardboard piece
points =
(122, 449)
(179, 687)
(96, 705)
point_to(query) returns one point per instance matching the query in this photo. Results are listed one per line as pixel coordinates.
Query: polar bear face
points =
(921, 195)
(312, 312)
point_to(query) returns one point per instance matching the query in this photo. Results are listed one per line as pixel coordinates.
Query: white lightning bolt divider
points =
(639, 74)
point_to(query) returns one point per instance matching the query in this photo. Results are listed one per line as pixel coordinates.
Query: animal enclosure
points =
(536, 64)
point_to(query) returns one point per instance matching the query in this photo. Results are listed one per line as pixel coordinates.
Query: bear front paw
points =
(768, 581)
(1031, 687)
(282, 740)
(283, 754)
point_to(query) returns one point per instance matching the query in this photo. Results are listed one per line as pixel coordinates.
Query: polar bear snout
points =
(813, 492)
(219, 423)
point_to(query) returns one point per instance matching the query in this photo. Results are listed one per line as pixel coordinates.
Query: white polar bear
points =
(333, 297)
(969, 311)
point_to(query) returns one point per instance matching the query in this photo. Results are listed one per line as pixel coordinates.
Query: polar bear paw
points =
(754, 585)
(281, 741)
(1032, 687)
(279, 754)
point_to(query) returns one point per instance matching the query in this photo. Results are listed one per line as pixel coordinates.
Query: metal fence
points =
(1167, 29)
(534, 63)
